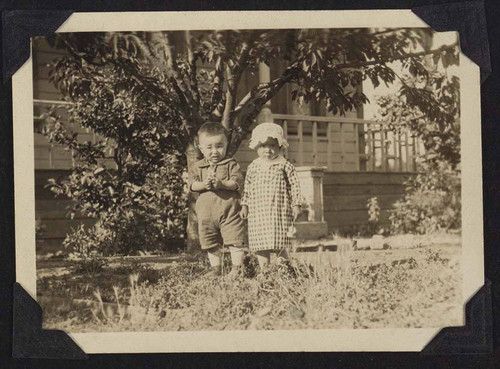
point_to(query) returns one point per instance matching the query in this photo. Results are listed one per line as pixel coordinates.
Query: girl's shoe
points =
(213, 272)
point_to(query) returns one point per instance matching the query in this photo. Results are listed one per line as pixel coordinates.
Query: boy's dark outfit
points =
(218, 211)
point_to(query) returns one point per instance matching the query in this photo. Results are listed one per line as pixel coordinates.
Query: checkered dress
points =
(270, 192)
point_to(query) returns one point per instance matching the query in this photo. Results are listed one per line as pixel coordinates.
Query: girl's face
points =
(213, 147)
(269, 150)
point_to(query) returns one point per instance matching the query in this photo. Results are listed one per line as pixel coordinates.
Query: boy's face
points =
(213, 147)
(269, 150)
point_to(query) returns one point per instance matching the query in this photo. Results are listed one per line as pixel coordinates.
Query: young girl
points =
(271, 197)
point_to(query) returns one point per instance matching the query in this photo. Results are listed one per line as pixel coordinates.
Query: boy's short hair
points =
(212, 129)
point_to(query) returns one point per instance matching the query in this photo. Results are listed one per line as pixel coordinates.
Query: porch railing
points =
(340, 144)
(349, 144)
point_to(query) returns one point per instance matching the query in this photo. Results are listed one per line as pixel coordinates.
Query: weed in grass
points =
(89, 266)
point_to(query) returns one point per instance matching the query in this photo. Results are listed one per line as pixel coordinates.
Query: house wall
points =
(48, 156)
(345, 196)
(51, 213)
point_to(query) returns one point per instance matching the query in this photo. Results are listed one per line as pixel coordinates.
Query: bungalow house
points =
(342, 161)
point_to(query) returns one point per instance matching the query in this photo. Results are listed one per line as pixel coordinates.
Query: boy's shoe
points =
(236, 271)
(214, 272)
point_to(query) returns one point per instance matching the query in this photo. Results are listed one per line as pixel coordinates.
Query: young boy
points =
(218, 179)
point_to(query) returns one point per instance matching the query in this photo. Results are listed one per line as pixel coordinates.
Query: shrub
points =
(147, 217)
(432, 201)
(130, 177)
(373, 207)
(436, 125)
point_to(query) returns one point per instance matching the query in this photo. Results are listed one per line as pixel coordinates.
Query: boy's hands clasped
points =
(217, 184)
(212, 183)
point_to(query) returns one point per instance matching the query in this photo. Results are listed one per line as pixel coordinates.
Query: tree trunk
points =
(193, 242)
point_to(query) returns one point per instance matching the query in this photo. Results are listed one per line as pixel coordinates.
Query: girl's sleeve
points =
(247, 188)
(293, 181)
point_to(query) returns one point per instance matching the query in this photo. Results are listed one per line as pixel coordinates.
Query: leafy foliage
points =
(89, 266)
(428, 106)
(198, 73)
(150, 216)
(373, 207)
(432, 201)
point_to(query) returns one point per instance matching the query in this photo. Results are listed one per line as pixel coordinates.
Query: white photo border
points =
(401, 339)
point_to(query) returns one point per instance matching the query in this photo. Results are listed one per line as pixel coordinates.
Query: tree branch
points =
(242, 61)
(230, 98)
(234, 78)
(250, 106)
(162, 43)
(189, 106)
(217, 103)
(192, 59)
(234, 74)
(288, 74)
(401, 57)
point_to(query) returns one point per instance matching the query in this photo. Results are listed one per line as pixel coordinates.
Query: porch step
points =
(311, 230)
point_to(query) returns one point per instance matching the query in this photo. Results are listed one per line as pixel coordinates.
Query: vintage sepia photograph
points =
(249, 179)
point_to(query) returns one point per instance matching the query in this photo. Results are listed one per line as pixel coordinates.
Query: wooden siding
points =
(49, 156)
(51, 213)
(345, 196)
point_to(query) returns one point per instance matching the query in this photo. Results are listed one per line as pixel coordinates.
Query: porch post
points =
(265, 115)
(311, 186)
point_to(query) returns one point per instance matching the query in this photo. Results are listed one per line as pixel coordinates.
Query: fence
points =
(348, 144)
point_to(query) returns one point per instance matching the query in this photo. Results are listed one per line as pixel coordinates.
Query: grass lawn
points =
(416, 283)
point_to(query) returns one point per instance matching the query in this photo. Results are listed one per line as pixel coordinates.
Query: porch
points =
(342, 163)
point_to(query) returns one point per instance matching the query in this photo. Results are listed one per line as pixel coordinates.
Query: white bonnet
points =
(263, 131)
